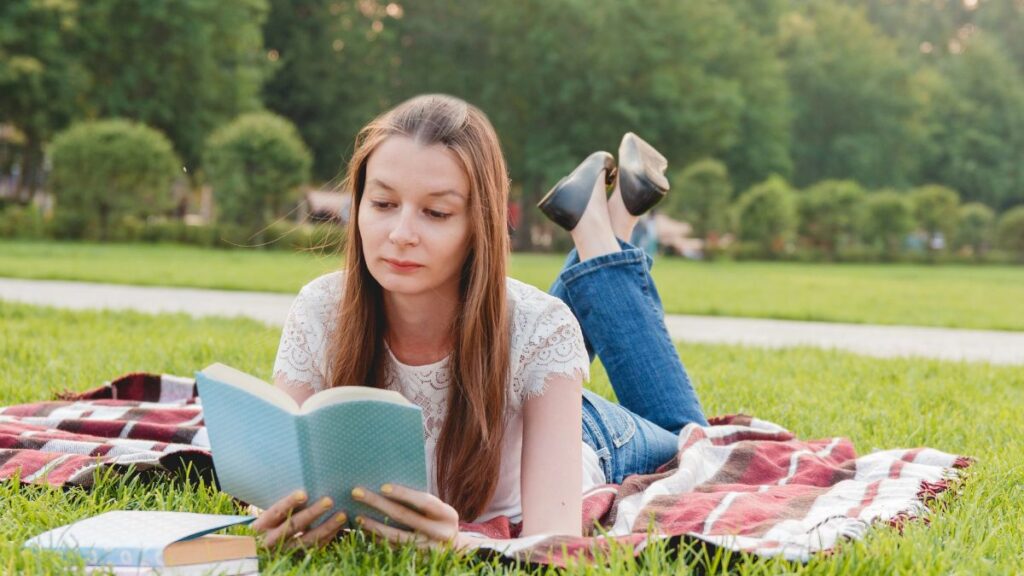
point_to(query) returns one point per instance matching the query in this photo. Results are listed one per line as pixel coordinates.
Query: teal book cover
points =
(266, 447)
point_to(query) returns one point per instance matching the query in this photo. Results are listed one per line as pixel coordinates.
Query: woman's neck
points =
(419, 327)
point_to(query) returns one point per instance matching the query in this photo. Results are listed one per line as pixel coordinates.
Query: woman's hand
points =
(284, 523)
(432, 522)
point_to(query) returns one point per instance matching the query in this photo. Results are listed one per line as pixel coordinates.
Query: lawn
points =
(986, 297)
(971, 409)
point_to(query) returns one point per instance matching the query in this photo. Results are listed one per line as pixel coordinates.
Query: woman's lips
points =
(401, 266)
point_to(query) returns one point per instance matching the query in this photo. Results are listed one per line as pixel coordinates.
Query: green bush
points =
(888, 218)
(255, 165)
(936, 211)
(831, 215)
(766, 217)
(23, 223)
(106, 170)
(700, 196)
(975, 228)
(1010, 231)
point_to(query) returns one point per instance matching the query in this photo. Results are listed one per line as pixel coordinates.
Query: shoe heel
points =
(565, 203)
(642, 180)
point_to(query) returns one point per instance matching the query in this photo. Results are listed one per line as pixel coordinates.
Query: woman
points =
(424, 308)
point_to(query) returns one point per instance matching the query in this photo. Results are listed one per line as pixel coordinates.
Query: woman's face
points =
(413, 219)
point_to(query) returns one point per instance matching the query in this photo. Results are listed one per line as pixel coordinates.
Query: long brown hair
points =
(469, 448)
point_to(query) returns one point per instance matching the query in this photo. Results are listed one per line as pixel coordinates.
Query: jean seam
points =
(602, 437)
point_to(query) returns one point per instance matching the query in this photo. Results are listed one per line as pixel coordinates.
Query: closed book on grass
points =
(265, 446)
(239, 567)
(140, 538)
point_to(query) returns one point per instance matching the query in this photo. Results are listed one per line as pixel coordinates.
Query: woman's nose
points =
(404, 231)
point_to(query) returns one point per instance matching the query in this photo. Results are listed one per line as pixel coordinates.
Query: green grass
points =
(962, 408)
(986, 297)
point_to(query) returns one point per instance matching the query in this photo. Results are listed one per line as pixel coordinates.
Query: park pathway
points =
(872, 340)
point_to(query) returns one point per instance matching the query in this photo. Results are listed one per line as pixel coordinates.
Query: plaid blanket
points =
(739, 483)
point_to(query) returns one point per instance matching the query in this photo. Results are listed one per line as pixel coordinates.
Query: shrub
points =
(700, 196)
(1010, 231)
(766, 216)
(254, 165)
(23, 223)
(975, 229)
(106, 170)
(831, 215)
(935, 209)
(889, 217)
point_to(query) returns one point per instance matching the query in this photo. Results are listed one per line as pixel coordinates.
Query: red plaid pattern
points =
(740, 483)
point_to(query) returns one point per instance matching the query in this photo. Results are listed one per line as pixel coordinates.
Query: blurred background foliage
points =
(846, 105)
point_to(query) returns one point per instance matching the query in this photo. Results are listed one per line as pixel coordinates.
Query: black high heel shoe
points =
(568, 199)
(642, 180)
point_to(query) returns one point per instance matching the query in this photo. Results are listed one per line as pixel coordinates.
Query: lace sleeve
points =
(300, 355)
(555, 348)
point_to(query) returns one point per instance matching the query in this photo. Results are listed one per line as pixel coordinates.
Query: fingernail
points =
(358, 493)
(340, 518)
(299, 496)
(386, 488)
(326, 503)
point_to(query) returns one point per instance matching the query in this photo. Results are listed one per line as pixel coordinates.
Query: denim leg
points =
(620, 312)
(559, 291)
(625, 443)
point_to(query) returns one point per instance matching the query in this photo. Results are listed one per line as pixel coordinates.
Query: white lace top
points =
(546, 341)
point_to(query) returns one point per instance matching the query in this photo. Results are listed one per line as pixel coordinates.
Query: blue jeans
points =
(618, 307)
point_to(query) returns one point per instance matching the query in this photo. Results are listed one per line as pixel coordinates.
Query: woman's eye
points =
(437, 215)
(378, 204)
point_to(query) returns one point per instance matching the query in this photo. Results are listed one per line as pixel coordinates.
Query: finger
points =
(392, 510)
(424, 502)
(323, 533)
(273, 516)
(299, 521)
(435, 529)
(392, 534)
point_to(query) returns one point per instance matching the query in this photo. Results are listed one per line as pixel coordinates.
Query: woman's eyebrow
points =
(380, 183)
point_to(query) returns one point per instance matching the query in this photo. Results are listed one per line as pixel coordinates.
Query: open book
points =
(265, 446)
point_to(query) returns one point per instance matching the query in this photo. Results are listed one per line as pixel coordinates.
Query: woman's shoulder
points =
(546, 340)
(529, 302)
(320, 296)
(536, 315)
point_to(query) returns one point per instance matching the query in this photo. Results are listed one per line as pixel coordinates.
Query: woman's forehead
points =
(401, 164)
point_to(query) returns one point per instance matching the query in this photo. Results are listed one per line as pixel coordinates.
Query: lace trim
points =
(546, 342)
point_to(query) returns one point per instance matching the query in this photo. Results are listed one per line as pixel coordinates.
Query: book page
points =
(341, 394)
(251, 384)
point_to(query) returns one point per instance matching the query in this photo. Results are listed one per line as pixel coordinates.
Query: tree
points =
(888, 219)
(831, 214)
(766, 216)
(39, 78)
(336, 67)
(935, 209)
(975, 230)
(978, 119)
(852, 95)
(1010, 231)
(182, 67)
(254, 165)
(691, 91)
(701, 194)
(109, 169)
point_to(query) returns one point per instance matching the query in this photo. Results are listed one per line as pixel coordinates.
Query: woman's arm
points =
(552, 461)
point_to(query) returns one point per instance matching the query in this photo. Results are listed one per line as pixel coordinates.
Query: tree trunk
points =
(31, 165)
